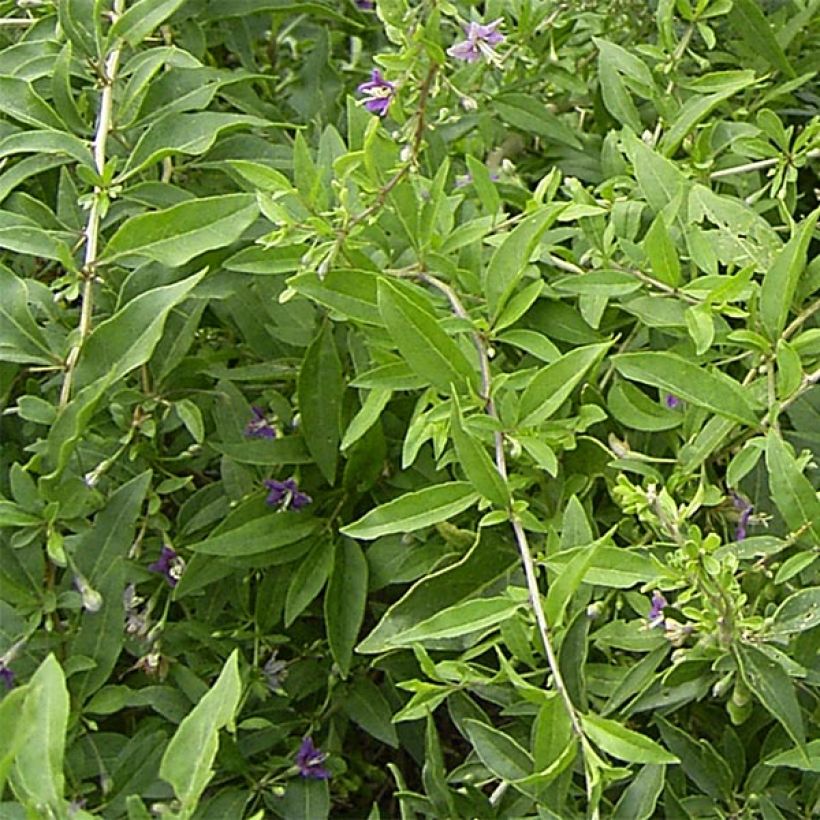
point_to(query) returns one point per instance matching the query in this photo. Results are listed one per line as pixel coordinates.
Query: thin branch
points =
(16, 22)
(95, 215)
(518, 529)
(801, 317)
(758, 165)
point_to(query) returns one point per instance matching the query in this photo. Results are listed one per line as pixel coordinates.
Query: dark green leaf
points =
(345, 599)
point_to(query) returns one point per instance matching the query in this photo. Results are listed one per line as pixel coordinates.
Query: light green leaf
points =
(141, 18)
(478, 466)
(798, 613)
(187, 761)
(47, 141)
(320, 391)
(308, 579)
(796, 759)
(511, 257)
(710, 389)
(791, 491)
(191, 416)
(175, 235)
(553, 384)
(345, 599)
(422, 342)
(485, 564)
(415, 510)
(37, 776)
(263, 534)
(184, 133)
(17, 719)
(623, 743)
(662, 253)
(306, 798)
(660, 180)
(369, 413)
(458, 620)
(564, 585)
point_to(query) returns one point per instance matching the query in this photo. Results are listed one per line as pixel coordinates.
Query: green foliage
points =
(447, 449)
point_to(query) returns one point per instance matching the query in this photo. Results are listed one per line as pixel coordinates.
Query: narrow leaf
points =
(345, 600)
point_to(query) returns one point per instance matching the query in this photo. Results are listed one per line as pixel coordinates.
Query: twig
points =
(92, 231)
(758, 165)
(13, 22)
(518, 529)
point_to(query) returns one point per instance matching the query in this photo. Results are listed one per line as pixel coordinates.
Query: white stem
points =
(92, 230)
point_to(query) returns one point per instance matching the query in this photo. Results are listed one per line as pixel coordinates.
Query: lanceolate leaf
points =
(770, 684)
(476, 463)
(175, 235)
(791, 491)
(345, 599)
(415, 510)
(624, 743)
(425, 346)
(780, 281)
(188, 759)
(679, 377)
(141, 18)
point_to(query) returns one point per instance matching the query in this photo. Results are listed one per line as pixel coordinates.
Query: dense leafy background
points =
(541, 345)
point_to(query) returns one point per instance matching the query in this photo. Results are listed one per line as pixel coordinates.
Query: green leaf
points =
(308, 580)
(797, 759)
(365, 705)
(422, 342)
(176, 235)
(268, 452)
(21, 340)
(306, 798)
(80, 20)
(791, 491)
(24, 236)
(47, 142)
(460, 619)
(191, 416)
(320, 391)
(263, 534)
(527, 113)
(772, 687)
(189, 756)
(505, 758)
(660, 180)
(22, 103)
(553, 384)
(142, 18)
(349, 293)
(698, 107)
(415, 510)
(345, 599)
(662, 253)
(368, 415)
(17, 719)
(37, 775)
(798, 613)
(127, 339)
(641, 796)
(102, 561)
(434, 775)
(634, 409)
(623, 743)
(484, 565)
(701, 327)
(615, 567)
(183, 133)
(511, 258)
(709, 389)
(564, 585)
(748, 20)
(480, 470)
(782, 277)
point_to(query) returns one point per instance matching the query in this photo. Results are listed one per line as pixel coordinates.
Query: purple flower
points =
(365, 5)
(309, 761)
(6, 675)
(259, 426)
(671, 401)
(286, 494)
(746, 510)
(655, 616)
(379, 93)
(169, 564)
(480, 40)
